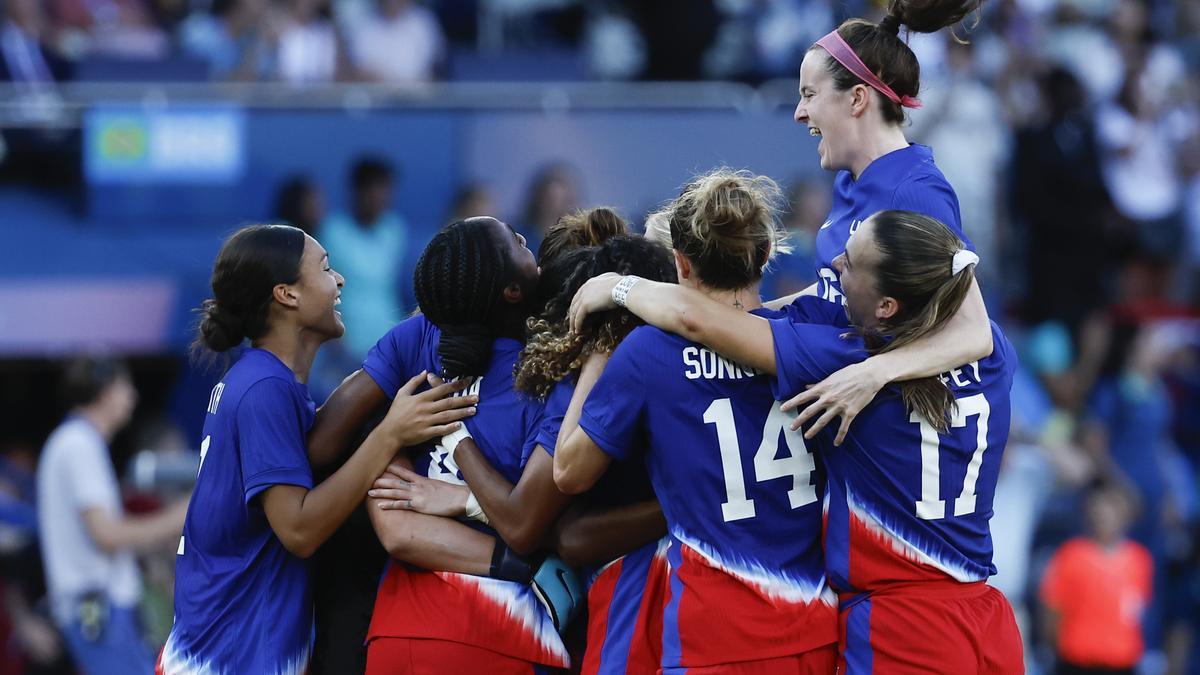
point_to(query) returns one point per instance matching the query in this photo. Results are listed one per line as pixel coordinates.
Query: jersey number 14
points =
(799, 465)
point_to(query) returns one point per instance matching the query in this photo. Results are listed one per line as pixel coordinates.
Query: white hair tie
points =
(962, 259)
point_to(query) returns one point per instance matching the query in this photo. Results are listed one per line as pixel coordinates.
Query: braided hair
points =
(458, 283)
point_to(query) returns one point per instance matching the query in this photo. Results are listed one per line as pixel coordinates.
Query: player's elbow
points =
(523, 540)
(299, 543)
(567, 480)
(687, 322)
(301, 548)
(573, 546)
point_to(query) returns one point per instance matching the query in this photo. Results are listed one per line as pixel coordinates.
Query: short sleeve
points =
(813, 309)
(395, 358)
(552, 415)
(93, 482)
(932, 196)
(613, 410)
(807, 353)
(271, 438)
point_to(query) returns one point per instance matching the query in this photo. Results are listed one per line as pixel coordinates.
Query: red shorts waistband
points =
(941, 589)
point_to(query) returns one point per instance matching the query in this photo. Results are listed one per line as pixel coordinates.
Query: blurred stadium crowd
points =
(1069, 128)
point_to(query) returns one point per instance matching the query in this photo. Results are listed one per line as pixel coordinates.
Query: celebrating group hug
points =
(618, 438)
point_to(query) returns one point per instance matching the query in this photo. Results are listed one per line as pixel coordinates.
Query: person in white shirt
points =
(401, 43)
(88, 542)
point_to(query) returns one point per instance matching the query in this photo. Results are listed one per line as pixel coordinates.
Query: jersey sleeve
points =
(613, 409)
(394, 359)
(552, 415)
(813, 309)
(807, 353)
(932, 196)
(271, 438)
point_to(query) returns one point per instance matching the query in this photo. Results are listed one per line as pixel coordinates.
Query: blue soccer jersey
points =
(243, 602)
(903, 179)
(501, 616)
(741, 495)
(625, 595)
(904, 503)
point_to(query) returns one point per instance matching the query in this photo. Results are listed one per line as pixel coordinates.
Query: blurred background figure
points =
(401, 42)
(310, 49)
(235, 38)
(300, 202)
(88, 541)
(1095, 590)
(553, 192)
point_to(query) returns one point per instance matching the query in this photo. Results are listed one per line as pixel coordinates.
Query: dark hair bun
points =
(928, 16)
(220, 330)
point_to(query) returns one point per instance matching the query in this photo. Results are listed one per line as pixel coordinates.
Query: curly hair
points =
(552, 351)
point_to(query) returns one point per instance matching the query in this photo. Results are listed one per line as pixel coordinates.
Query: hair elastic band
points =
(840, 50)
(962, 259)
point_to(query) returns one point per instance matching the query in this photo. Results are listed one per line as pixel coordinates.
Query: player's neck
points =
(745, 298)
(874, 142)
(296, 348)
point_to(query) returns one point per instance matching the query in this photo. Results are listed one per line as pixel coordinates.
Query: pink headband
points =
(844, 53)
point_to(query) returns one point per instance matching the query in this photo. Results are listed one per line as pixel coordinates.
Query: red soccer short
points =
(406, 656)
(819, 661)
(929, 627)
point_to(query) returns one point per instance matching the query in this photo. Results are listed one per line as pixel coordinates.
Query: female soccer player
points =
(242, 596)
(754, 563)
(473, 282)
(854, 85)
(909, 564)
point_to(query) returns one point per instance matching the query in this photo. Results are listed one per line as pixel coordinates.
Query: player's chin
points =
(334, 327)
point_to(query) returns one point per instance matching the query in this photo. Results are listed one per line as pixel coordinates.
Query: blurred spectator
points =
(1095, 589)
(1060, 197)
(961, 120)
(40, 153)
(808, 205)
(88, 542)
(368, 246)
(236, 37)
(309, 48)
(473, 199)
(26, 58)
(1139, 138)
(31, 644)
(124, 29)
(300, 202)
(552, 193)
(401, 43)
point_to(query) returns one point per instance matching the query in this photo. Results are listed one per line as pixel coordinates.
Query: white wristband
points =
(474, 510)
(620, 292)
(451, 440)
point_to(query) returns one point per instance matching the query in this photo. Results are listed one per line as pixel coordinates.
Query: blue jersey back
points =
(740, 492)
(242, 601)
(903, 179)
(502, 616)
(904, 502)
(505, 424)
